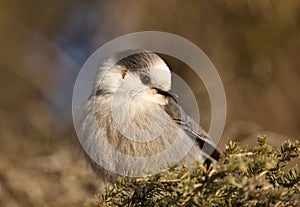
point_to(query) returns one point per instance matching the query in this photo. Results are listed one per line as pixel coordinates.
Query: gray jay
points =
(132, 123)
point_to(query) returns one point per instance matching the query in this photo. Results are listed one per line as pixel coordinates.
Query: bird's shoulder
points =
(191, 128)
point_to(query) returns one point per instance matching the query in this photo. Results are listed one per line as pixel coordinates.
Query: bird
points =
(132, 123)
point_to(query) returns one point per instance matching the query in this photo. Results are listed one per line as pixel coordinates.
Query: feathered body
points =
(132, 116)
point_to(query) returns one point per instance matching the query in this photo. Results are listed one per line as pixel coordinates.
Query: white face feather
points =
(161, 75)
(113, 79)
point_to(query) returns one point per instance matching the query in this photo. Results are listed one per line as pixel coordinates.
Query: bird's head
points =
(142, 75)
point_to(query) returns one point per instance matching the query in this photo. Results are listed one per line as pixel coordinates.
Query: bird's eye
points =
(145, 79)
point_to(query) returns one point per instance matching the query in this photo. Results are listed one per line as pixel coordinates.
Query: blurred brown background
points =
(254, 44)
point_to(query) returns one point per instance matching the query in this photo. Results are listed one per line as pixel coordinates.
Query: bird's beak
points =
(167, 93)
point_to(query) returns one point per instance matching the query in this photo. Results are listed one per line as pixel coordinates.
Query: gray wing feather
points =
(192, 129)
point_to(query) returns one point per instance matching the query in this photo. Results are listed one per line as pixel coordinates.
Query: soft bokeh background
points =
(254, 44)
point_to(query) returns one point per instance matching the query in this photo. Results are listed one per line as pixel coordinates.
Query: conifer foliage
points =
(257, 177)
